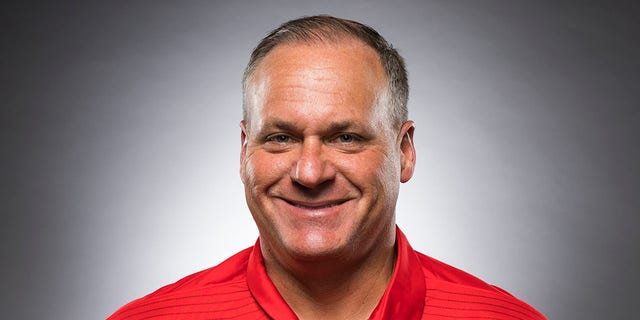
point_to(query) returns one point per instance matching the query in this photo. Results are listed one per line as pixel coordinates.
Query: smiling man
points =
(326, 141)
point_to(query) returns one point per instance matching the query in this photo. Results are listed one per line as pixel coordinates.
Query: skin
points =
(321, 166)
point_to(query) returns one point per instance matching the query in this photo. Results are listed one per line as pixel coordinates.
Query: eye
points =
(348, 142)
(345, 138)
(279, 138)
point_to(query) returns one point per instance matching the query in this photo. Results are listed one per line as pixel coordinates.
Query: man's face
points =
(320, 163)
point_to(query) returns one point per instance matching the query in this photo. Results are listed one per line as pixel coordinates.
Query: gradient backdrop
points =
(120, 146)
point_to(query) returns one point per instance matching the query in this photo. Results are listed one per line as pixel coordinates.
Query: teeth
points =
(315, 207)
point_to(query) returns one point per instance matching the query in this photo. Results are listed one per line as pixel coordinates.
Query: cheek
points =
(264, 169)
(376, 172)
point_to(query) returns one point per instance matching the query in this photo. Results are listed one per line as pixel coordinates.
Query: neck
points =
(336, 288)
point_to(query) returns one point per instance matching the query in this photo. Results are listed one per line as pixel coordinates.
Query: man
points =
(325, 144)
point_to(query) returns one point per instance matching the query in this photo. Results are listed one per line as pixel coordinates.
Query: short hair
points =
(325, 28)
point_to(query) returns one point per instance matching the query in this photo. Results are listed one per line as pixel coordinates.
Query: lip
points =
(315, 205)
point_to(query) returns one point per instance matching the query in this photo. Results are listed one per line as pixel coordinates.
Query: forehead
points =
(347, 56)
(345, 74)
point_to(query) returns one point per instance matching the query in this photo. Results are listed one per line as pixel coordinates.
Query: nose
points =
(312, 168)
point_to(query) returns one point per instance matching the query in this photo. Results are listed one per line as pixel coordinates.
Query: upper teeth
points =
(316, 207)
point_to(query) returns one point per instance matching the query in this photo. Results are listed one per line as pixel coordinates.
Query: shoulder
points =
(222, 284)
(435, 269)
(453, 292)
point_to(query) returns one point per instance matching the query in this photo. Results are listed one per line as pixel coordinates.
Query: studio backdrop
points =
(121, 142)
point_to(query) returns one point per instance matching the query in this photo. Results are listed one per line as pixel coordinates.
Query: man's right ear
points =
(243, 133)
(243, 147)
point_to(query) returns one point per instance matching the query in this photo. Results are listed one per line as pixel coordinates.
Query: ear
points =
(243, 147)
(407, 151)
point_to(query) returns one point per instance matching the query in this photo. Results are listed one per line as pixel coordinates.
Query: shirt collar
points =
(263, 290)
(403, 298)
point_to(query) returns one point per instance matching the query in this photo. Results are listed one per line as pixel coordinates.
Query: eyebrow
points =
(331, 127)
(280, 124)
(342, 125)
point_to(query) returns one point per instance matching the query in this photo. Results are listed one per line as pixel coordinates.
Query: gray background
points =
(120, 146)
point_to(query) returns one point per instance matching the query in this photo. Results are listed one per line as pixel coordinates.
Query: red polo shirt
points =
(239, 288)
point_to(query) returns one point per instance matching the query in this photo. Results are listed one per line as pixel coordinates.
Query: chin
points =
(315, 245)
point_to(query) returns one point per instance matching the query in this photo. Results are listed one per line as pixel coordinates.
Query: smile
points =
(315, 205)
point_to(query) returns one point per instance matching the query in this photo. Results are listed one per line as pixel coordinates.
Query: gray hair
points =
(324, 28)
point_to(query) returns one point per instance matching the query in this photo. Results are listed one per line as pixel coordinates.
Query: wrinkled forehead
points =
(348, 70)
